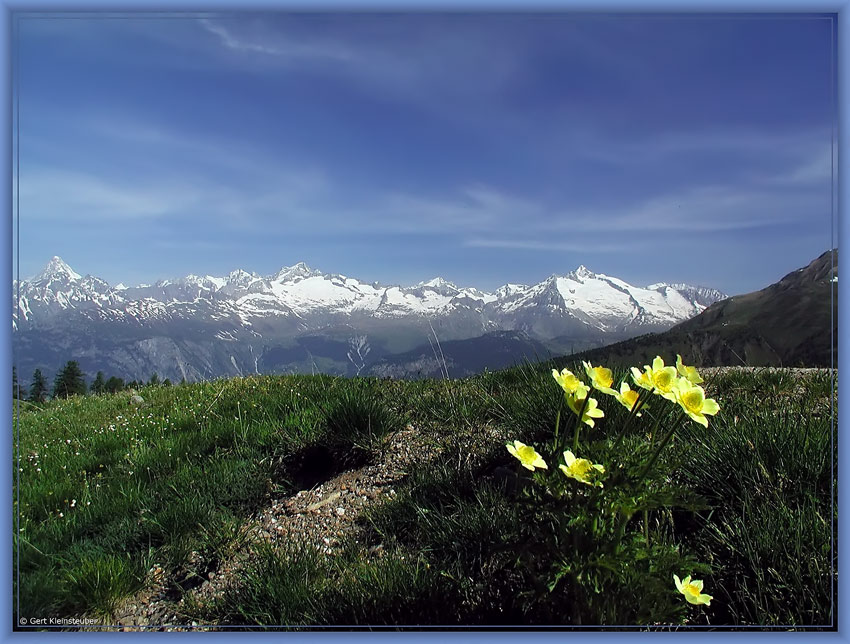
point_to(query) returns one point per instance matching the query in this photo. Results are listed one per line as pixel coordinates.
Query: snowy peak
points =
(56, 270)
(701, 295)
(241, 278)
(581, 273)
(438, 283)
(298, 271)
(509, 290)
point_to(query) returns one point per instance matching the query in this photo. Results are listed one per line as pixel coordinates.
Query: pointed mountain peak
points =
(438, 282)
(240, 275)
(297, 270)
(56, 268)
(582, 272)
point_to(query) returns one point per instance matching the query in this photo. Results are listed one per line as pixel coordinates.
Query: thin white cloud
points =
(742, 146)
(187, 244)
(432, 65)
(289, 50)
(235, 155)
(590, 246)
(701, 210)
(498, 217)
(65, 195)
(815, 171)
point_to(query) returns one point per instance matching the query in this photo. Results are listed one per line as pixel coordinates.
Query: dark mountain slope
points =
(792, 323)
(496, 350)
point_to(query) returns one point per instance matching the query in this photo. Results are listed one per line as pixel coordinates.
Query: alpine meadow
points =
(401, 320)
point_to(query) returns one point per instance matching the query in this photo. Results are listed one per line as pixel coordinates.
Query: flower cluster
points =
(679, 384)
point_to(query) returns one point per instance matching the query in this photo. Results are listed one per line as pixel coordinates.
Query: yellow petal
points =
(710, 406)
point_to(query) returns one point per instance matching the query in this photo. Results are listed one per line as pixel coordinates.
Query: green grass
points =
(109, 490)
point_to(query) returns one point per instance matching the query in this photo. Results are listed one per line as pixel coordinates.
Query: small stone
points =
(340, 511)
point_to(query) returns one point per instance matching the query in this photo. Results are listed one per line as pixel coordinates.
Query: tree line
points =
(70, 381)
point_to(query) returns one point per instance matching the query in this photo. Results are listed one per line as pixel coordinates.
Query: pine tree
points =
(99, 384)
(69, 381)
(166, 383)
(114, 384)
(38, 388)
(16, 390)
(154, 380)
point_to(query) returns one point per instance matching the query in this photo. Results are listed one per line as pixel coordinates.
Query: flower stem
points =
(578, 421)
(558, 424)
(641, 400)
(662, 445)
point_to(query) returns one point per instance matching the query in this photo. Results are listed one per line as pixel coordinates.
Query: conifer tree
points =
(16, 390)
(69, 381)
(38, 388)
(166, 382)
(99, 384)
(154, 380)
(114, 384)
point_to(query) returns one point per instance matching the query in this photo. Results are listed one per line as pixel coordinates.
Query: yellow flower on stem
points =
(663, 378)
(693, 401)
(527, 456)
(568, 381)
(692, 590)
(581, 469)
(628, 397)
(601, 378)
(591, 409)
(687, 372)
(642, 378)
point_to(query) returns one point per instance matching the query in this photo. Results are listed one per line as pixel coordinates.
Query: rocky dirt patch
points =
(322, 516)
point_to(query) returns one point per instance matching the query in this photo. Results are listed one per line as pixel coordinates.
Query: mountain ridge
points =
(200, 327)
(790, 323)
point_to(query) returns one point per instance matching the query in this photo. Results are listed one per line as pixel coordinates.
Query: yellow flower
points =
(663, 378)
(642, 378)
(568, 381)
(600, 378)
(628, 397)
(693, 401)
(692, 590)
(581, 469)
(591, 410)
(529, 458)
(687, 372)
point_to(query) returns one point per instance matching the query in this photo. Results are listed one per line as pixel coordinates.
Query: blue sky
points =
(486, 148)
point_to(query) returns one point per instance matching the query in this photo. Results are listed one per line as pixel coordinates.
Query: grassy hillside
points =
(115, 499)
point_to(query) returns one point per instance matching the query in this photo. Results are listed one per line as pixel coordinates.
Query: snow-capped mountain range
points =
(266, 315)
